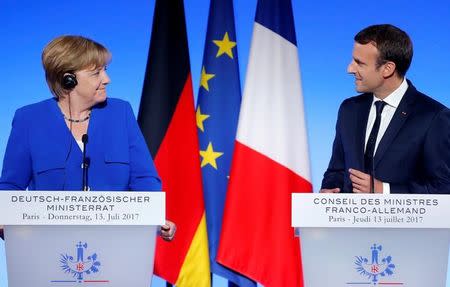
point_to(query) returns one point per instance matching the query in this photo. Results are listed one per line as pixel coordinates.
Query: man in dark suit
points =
(391, 131)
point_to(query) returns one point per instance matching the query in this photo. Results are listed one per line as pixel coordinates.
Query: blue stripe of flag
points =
(278, 17)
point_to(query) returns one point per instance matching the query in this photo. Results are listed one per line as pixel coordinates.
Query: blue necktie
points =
(370, 147)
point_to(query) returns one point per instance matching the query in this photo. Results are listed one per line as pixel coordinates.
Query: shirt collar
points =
(394, 98)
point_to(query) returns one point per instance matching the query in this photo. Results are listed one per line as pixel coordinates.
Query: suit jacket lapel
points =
(60, 147)
(404, 109)
(96, 135)
(361, 124)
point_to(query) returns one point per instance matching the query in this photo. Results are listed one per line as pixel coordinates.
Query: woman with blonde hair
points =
(47, 141)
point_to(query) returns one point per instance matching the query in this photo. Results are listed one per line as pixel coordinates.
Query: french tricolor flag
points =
(270, 159)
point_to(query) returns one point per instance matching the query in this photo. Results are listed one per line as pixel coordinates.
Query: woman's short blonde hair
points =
(69, 54)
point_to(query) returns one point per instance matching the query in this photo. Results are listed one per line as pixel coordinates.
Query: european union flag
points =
(217, 115)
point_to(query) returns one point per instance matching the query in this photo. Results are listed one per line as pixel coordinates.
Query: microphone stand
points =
(85, 163)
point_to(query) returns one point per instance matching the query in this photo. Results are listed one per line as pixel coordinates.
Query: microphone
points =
(85, 164)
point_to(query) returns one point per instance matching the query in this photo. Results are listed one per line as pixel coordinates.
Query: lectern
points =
(80, 238)
(373, 240)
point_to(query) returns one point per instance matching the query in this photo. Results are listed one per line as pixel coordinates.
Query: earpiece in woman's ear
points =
(69, 81)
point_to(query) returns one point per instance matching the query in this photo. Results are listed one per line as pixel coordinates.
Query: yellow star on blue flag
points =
(209, 156)
(225, 46)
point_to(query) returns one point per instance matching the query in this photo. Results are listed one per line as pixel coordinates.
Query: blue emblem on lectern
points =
(375, 267)
(80, 266)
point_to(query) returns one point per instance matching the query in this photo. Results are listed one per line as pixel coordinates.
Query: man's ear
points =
(389, 69)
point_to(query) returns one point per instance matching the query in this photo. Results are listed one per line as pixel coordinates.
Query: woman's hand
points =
(167, 231)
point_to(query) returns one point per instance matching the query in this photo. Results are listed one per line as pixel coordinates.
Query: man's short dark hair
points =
(393, 44)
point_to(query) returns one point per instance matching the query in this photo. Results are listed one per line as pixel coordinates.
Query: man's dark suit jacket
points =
(414, 154)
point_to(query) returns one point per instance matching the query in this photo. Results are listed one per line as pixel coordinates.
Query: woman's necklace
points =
(73, 120)
(77, 121)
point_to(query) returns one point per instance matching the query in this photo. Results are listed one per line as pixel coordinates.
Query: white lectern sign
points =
(368, 210)
(82, 208)
(356, 240)
(68, 239)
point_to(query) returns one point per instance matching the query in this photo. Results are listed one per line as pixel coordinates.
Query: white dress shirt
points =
(80, 144)
(392, 101)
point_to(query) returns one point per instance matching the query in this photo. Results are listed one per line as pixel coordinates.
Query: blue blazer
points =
(414, 154)
(42, 154)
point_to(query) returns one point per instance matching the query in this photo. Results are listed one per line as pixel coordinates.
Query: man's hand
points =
(330, 190)
(361, 182)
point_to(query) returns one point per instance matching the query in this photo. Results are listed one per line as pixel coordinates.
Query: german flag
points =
(167, 120)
